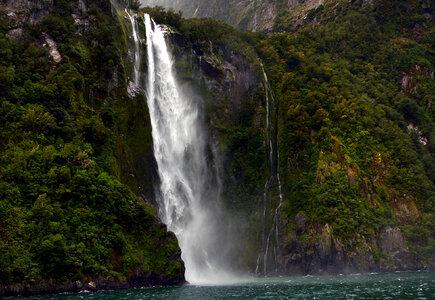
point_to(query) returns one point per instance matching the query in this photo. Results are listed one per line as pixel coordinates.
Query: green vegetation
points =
(347, 154)
(354, 88)
(64, 214)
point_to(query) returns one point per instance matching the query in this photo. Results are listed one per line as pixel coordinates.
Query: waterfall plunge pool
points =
(400, 285)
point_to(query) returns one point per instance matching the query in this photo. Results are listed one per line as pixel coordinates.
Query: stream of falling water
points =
(137, 53)
(273, 166)
(187, 203)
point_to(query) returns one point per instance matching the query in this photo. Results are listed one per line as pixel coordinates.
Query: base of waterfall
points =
(218, 278)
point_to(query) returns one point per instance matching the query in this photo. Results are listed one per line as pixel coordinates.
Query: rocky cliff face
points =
(29, 11)
(315, 250)
(24, 12)
(237, 123)
(254, 15)
(225, 72)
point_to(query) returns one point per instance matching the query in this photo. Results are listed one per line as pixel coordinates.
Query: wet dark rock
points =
(26, 11)
(396, 253)
(95, 284)
(322, 253)
(16, 33)
(21, 12)
(391, 240)
(301, 222)
(224, 72)
(210, 69)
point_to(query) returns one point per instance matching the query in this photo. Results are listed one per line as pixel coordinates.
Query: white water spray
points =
(137, 52)
(187, 204)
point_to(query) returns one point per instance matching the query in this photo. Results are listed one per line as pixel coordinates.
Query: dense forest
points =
(64, 213)
(352, 120)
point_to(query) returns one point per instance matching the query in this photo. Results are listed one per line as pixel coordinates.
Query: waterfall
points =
(273, 175)
(187, 203)
(272, 162)
(137, 51)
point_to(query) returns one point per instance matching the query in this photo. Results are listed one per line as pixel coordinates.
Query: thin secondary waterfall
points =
(273, 174)
(137, 53)
(186, 201)
(272, 162)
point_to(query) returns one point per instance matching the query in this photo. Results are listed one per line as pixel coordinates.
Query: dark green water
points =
(404, 285)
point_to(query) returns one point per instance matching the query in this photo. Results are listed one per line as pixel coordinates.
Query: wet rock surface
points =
(136, 280)
(225, 72)
(21, 12)
(316, 251)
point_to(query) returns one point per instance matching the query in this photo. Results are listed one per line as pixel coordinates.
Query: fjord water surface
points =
(403, 285)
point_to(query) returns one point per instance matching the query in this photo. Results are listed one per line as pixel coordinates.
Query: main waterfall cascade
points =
(271, 240)
(186, 197)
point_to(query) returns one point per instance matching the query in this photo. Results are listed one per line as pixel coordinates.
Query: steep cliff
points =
(74, 148)
(354, 162)
(253, 15)
(353, 149)
(326, 159)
